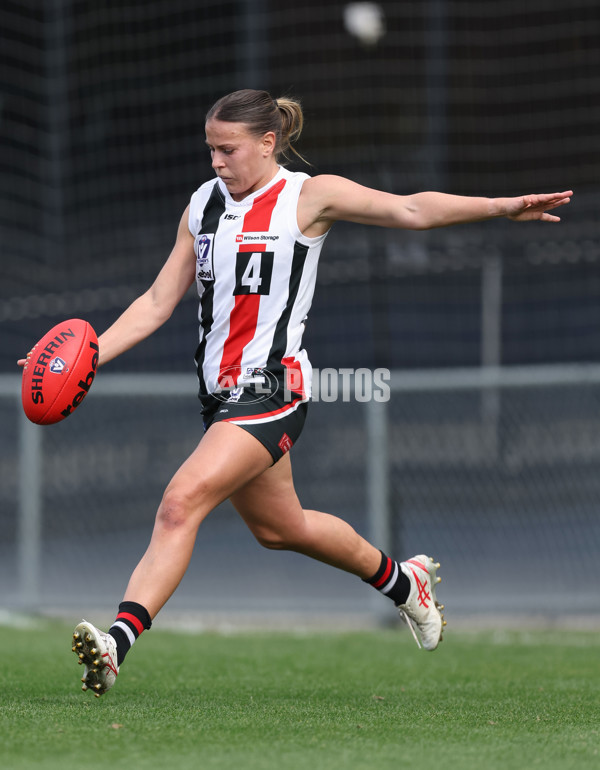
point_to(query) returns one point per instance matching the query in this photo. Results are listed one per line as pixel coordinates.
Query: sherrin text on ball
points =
(59, 371)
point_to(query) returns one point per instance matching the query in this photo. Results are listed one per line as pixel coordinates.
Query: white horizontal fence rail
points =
(486, 377)
(30, 448)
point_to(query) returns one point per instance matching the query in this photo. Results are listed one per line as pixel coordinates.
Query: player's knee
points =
(173, 512)
(180, 508)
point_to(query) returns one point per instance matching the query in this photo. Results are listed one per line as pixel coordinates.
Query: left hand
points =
(531, 207)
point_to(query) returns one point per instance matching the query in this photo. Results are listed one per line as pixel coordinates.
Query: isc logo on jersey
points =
(203, 247)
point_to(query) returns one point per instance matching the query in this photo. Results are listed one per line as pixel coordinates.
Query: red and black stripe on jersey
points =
(243, 319)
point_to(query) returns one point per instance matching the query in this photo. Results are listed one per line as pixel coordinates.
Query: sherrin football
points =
(59, 372)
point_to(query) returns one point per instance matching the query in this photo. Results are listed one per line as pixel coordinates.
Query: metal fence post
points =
(378, 485)
(30, 513)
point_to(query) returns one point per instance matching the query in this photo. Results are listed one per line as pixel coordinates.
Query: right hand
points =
(22, 362)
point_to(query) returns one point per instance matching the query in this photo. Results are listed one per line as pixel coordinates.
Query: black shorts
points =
(276, 422)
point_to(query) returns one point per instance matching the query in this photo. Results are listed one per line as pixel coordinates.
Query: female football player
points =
(251, 238)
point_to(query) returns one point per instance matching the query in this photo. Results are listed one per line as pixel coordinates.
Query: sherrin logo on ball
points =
(59, 372)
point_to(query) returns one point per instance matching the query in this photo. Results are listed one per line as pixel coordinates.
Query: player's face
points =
(244, 162)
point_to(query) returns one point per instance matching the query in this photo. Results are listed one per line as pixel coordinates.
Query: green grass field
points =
(314, 701)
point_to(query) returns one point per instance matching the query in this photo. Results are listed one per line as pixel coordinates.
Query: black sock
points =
(390, 580)
(131, 620)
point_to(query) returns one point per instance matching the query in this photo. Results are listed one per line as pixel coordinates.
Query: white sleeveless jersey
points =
(256, 275)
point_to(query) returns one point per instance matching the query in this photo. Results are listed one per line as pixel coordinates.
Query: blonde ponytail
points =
(260, 113)
(292, 123)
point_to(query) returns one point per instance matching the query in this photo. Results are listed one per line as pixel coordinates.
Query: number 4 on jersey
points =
(251, 277)
(253, 272)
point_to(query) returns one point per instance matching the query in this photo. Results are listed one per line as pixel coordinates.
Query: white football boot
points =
(422, 607)
(98, 652)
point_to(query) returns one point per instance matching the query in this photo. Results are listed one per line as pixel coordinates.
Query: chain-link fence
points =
(495, 474)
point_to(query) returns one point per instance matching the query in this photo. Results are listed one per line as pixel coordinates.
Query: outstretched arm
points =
(328, 199)
(430, 209)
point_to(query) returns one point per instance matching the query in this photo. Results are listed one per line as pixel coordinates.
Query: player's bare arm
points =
(326, 199)
(150, 310)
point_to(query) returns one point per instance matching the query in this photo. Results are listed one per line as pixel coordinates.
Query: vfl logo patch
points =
(202, 247)
(57, 365)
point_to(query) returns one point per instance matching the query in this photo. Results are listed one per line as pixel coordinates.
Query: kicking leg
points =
(271, 509)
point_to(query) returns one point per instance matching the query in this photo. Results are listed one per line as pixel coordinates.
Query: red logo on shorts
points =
(239, 238)
(285, 443)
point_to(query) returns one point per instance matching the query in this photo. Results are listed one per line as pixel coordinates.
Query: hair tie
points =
(276, 103)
